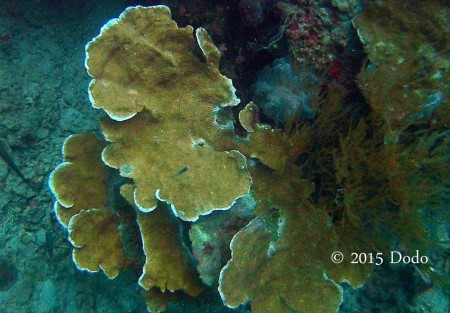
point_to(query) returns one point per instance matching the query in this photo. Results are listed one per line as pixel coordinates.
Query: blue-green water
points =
(44, 99)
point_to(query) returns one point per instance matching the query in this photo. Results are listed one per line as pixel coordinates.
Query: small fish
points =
(183, 170)
(5, 153)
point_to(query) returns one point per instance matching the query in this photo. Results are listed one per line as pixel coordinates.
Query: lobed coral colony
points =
(266, 209)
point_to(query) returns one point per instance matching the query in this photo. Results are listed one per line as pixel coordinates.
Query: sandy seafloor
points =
(43, 99)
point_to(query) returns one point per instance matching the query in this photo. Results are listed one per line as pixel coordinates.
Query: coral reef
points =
(280, 278)
(417, 84)
(164, 251)
(43, 86)
(280, 93)
(319, 185)
(161, 61)
(367, 166)
(81, 167)
(95, 235)
(148, 151)
(165, 255)
(80, 187)
(162, 142)
(179, 116)
(211, 237)
(247, 117)
(316, 32)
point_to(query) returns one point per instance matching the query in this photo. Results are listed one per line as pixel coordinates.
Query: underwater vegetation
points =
(350, 176)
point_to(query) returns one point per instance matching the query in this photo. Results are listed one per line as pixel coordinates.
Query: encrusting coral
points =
(95, 235)
(276, 275)
(167, 264)
(80, 187)
(164, 121)
(166, 163)
(283, 262)
(408, 74)
(134, 68)
(82, 166)
(164, 149)
(377, 172)
(319, 185)
(247, 117)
